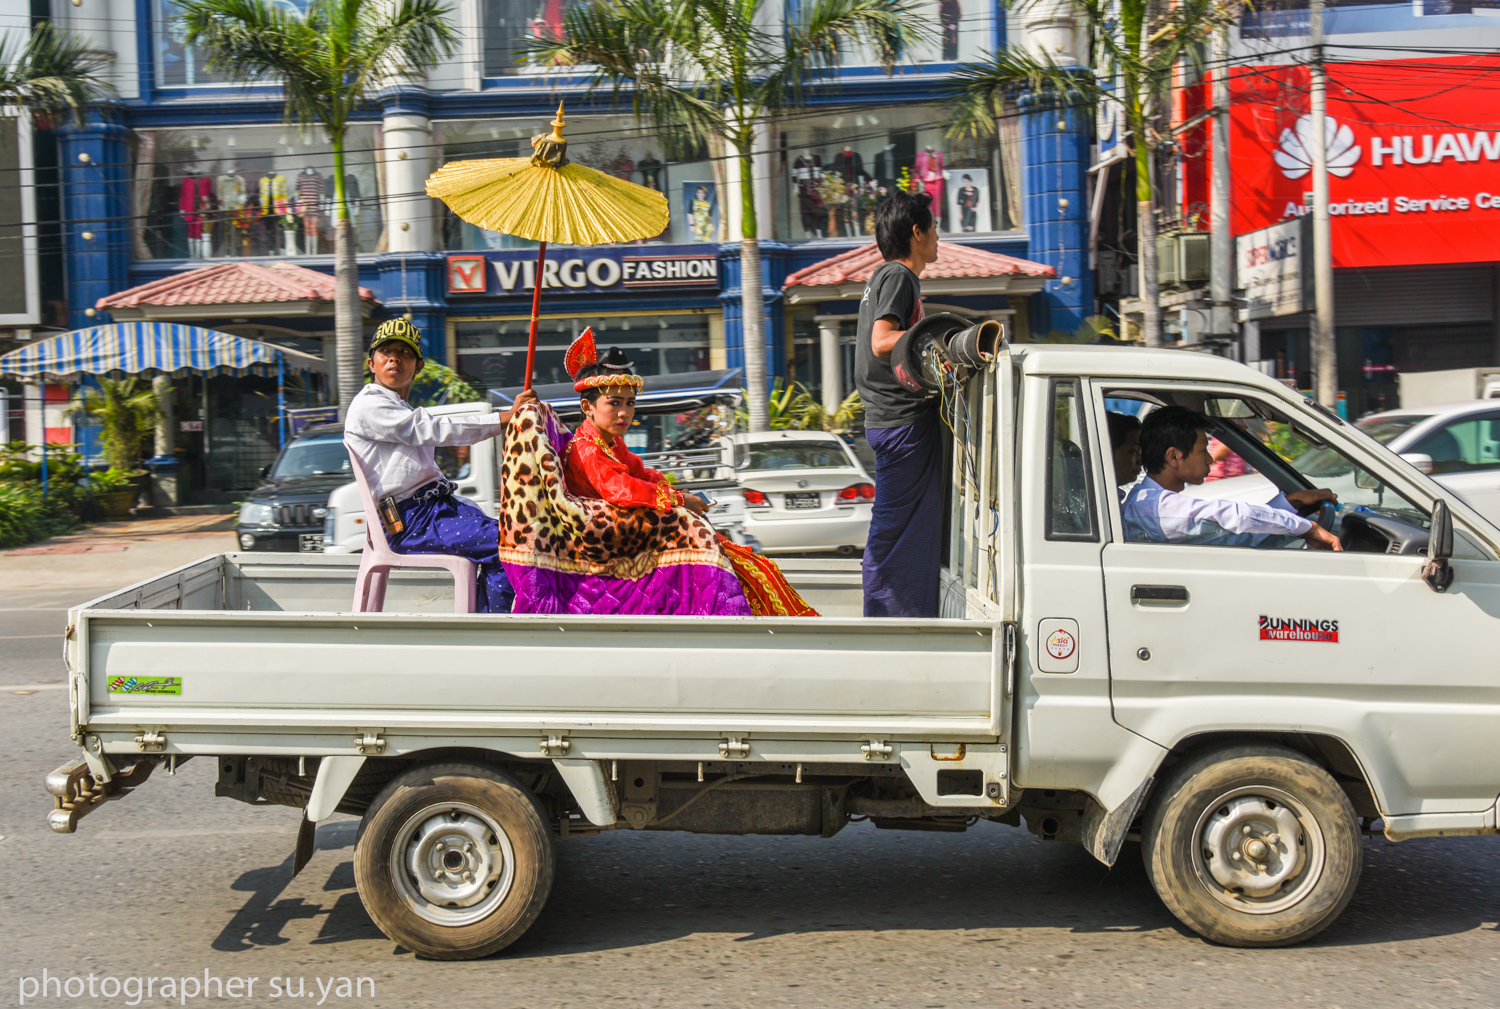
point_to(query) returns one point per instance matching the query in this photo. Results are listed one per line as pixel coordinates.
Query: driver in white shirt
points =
(1174, 450)
(394, 442)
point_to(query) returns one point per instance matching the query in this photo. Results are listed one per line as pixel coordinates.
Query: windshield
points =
(773, 455)
(313, 457)
(1385, 429)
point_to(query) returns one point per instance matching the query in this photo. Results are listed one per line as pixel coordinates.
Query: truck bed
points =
(267, 652)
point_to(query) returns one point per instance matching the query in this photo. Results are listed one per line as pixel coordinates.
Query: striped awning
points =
(149, 348)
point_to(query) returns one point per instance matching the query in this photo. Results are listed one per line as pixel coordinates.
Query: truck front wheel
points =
(1252, 846)
(454, 861)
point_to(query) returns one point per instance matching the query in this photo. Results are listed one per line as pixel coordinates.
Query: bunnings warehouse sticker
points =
(146, 685)
(1287, 629)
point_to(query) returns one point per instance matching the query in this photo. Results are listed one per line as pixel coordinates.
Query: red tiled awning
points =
(237, 288)
(959, 270)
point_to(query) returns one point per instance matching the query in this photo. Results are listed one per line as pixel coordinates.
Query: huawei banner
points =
(1413, 157)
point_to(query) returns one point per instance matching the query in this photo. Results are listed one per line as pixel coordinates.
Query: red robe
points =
(599, 466)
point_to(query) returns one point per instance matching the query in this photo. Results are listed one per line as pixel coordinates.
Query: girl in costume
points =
(587, 528)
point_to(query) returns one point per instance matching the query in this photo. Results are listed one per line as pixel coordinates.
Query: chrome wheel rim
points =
(1258, 850)
(452, 864)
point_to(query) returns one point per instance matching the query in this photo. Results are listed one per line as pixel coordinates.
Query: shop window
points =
(231, 192)
(835, 169)
(510, 24)
(963, 30)
(682, 170)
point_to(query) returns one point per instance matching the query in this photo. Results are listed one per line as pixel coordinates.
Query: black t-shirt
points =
(893, 290)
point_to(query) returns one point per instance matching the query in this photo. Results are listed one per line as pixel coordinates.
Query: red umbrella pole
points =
(536, 306)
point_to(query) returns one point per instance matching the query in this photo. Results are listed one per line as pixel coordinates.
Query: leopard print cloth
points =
(543, 526)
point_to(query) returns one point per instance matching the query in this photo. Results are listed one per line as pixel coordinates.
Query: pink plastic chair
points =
(378, 560)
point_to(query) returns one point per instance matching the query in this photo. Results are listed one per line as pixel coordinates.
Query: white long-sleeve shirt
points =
(395, 440)
(1154, 514)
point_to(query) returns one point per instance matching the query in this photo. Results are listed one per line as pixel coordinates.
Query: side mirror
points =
(1436, 572)
(1420, 460)
(265, 471)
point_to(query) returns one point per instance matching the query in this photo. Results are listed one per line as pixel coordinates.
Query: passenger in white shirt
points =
(1174, 449)
(394, 442)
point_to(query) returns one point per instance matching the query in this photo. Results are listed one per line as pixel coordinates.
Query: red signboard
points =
(1413, 157)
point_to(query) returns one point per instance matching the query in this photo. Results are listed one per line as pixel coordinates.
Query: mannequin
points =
(807, 170)
(233, 194)
(196, 201)
(310, 208)
(849, 166)
(885, 167)
(929, 174)
(275, 205)
(650, 170)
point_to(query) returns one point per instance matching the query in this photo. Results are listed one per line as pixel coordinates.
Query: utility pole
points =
(1324, 347)
(1221, 249)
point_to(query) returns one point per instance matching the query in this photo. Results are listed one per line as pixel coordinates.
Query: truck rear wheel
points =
(454, 861)
(1252, 846)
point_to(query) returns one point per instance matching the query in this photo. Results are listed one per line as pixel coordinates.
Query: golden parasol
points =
(547, 198)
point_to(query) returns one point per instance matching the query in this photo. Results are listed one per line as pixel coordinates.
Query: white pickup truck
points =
(1244, 714)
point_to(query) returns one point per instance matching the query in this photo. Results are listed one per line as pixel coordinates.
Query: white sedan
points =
(803, 491)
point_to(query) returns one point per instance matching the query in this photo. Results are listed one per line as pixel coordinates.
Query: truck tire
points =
(1252, 846)
(454, 861)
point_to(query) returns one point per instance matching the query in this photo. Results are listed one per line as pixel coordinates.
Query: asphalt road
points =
(170, 882)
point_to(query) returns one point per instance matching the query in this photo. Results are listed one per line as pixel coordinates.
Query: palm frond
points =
(53, 71)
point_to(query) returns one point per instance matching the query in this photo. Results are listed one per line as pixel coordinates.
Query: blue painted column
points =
(1057, 152)
(93, 164)
(421, 292)
(730, 299)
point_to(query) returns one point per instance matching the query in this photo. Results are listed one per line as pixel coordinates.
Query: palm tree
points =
(328, 62)
(127, 412)
(1138, 47)
(52, 71)
(720, 68)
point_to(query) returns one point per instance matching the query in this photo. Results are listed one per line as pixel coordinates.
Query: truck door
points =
(1065, 736)
(1276, 636)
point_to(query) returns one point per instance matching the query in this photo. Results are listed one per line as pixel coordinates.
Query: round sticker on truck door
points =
(1056, 645)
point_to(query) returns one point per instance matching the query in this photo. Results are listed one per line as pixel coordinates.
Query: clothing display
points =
(569, 553)
(949, 15)
(927, 172)
(968, 206)
(310, 205)
(275, 196)
(650, 172)
(196, 202)
(807, 171)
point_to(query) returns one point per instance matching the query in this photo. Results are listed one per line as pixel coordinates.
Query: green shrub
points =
(26, 517)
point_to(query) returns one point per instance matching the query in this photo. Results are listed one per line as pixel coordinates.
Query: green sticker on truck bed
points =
(146, 685)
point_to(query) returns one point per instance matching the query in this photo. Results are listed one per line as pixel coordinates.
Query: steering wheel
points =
(1327, 512)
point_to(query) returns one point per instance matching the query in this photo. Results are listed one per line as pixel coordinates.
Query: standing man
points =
(903, 552)
(394, 442)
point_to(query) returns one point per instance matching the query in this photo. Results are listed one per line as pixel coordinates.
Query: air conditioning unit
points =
(1183, 258)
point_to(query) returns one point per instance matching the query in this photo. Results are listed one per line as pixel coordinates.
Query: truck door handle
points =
(1158, 593)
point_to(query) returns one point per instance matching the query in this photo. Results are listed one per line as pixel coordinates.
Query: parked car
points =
(801, 491)
(286, 512)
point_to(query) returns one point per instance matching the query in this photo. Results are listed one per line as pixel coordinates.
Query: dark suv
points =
(286, 512)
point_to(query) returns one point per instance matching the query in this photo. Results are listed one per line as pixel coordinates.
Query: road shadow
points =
(265, 914)
(627, 889)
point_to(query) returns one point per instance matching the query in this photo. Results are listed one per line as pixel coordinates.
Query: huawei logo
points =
(1294, 154)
